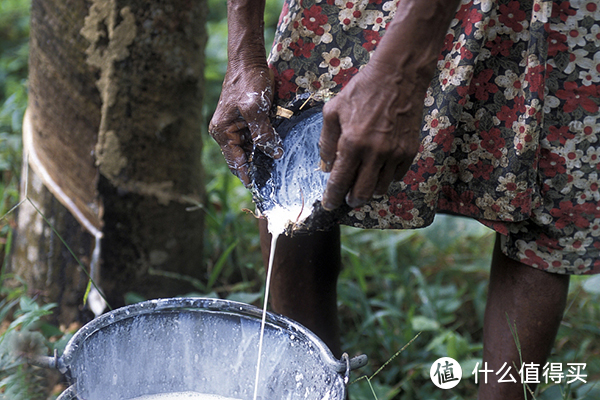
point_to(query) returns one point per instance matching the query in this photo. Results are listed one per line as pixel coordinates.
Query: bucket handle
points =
(348, 364)
(45, 361)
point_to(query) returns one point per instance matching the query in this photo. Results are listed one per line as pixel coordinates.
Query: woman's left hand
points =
(370, 135)
(371, 130)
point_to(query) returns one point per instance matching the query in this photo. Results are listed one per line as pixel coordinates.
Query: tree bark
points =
(112, 136)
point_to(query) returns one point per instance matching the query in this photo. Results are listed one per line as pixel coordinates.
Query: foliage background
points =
(395, 284)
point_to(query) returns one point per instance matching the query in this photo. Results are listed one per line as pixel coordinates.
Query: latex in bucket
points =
(200, 345)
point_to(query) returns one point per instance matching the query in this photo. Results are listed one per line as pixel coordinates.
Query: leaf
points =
(244, 297)
(422, 323)
(468, 366)
(31, 316)
(87, 292)
(366, 389)
(133, 298)
(592, 285)
(220, 264)
(49, 331)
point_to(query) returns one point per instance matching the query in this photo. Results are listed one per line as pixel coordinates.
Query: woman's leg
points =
(304, 280)
(534, 302)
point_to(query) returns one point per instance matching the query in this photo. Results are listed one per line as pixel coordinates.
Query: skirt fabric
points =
(511, 120)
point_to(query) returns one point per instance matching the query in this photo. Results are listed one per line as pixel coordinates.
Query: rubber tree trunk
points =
(112, 150)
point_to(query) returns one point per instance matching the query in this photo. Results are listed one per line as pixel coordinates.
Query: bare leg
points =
(304, 279)
(534, 301)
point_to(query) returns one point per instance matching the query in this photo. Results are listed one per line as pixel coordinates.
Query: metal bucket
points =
(199, 345)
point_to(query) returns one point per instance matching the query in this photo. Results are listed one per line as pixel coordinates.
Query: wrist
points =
(414, 38)
(245, 25)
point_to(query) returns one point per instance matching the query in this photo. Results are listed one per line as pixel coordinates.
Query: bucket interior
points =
(198, 345)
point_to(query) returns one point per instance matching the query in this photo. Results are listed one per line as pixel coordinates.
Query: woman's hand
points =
(370, 136)
(241, 120)
(371, 129)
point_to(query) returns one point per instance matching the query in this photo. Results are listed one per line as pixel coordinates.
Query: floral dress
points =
(511, 119)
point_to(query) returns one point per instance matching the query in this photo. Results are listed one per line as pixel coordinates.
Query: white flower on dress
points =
(380, 212)
(592, 156)
(572, 178)
(575, 34)
(306, 81)
(542, 10)
(333, 61)
(451, 73)
(510, 186)
(434, 122)
(550, 102)
(429, 99)
(577, 243)
(391, 7)
(593, 35)
(282, 50)
(512, 83)
(588, 130)
(595, 228)
(526, 134)
(591, 72)
(590, 186)
(360, 213)
(376, 19)
(326, 82)
(486, 5)
(431, 190)
(584, 8)
(352, 13)
(571, 154)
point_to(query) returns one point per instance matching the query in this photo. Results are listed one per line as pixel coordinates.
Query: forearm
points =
(414, 38)
(245, 24)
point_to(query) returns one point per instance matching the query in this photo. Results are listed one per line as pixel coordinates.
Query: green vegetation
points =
(395, 285)
(14, 49)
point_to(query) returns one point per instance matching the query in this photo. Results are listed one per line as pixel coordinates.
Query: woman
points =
(482, 108)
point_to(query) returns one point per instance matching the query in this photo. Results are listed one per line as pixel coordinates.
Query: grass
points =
(406, 298)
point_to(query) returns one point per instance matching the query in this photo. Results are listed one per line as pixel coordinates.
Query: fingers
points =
(232, 135)
(341, 179)
(356, 184)
(328, 142)
(366, 182)
(241, 120)
(254, 109)
(401, 170)
(386, 177)
(237, 161)
(265, 137)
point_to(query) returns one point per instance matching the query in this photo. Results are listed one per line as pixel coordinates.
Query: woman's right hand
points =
(241, 120)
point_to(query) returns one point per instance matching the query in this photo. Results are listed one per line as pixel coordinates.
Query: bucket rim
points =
(194, 304)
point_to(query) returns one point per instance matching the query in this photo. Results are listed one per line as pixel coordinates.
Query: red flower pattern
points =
(314, 19)
(567, 213)
(372, 39)
(512, 16)
(344, 76)
(495, 127)
(302, 48)
(492, 141)
(576, 95)
(481, 85)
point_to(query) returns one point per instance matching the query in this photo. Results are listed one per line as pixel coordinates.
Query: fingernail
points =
(278, 152)
(325, 166)
(328, 206)
(354, 202)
